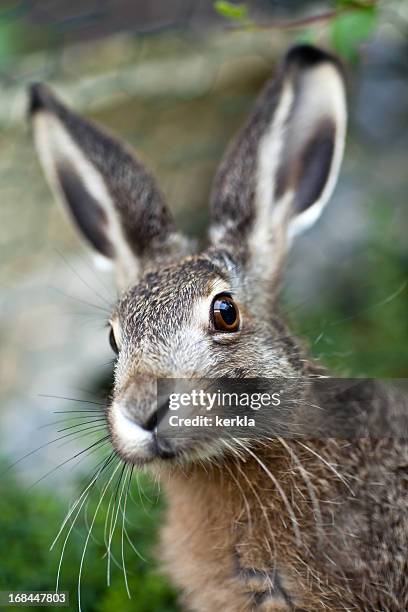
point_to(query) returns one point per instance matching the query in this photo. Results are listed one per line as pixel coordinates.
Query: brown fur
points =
(228, 530)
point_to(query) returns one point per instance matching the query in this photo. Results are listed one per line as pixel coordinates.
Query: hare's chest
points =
(203, 550)
(208, 569)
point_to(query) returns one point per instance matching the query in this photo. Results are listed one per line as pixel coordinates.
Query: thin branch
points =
(305, 22)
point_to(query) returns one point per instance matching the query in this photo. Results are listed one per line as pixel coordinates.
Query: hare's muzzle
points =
(134, 433)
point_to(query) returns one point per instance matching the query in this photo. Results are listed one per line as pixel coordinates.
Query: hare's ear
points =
(281, 170)
(111, 198)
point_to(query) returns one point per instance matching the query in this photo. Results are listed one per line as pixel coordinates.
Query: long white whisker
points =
(114, 519)
(72, 509)
(123, 531)
(90, 531)
(139, 554)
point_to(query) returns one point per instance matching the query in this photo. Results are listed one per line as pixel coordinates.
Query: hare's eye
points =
(225, 313)
(112, 341)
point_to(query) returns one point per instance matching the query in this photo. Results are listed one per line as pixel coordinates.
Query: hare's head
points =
(212, 314)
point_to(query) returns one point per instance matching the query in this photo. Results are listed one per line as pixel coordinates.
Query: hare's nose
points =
(155, 419)
(137, 440)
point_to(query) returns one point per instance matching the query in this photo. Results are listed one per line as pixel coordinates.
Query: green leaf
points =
(352, 28)
(238, 12)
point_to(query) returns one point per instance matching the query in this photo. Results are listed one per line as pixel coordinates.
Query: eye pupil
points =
(228, 312)
(112, 341)
(225, 314)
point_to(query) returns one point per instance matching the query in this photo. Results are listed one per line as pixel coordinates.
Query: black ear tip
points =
(39, 98)
(309, 56)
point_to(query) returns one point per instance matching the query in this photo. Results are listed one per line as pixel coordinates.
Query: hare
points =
(276, 524)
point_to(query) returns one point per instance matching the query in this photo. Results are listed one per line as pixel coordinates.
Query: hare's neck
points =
(250, 496)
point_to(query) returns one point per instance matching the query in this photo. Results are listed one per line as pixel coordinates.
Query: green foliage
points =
(355, 3)
(11, 34)
(236, 12)
(351, 23)
(29, 522)
(359, 326)
(351, 28)
(153, 595)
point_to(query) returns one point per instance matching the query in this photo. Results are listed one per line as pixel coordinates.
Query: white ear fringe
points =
(325, 96)
(269, 156)
(322, 96)
(102, 263)
(54, 146)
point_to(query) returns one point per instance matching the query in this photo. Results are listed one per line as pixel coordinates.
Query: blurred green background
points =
(175, 79)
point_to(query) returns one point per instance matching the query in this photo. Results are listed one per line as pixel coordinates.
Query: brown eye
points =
(225, 313)
(112, 341)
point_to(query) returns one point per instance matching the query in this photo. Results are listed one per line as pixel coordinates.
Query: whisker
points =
(89, 453)
(97, 395)
(105, 535)
(114, 518)
(71, 399)
(92, 289)
(87, 411)
(70, 419)
(90, 531)
(141, 494)
(139, 554)
(66, 540)
(105, 462)
(74, 435)
(80, 301)
(123, 530)
(81, 424)
(103, 285)
(67, 461)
